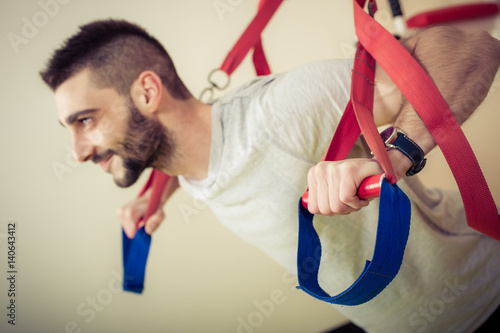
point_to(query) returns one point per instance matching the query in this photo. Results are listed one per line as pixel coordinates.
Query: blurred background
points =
(200, 277)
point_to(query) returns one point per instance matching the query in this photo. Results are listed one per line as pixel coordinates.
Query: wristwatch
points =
(394, 138)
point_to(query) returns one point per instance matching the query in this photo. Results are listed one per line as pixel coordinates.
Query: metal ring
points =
(211, 97)
(214, 84)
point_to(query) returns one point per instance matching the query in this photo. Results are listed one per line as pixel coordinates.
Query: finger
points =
(312, 204)
(348, 185)
(347, 195)
(325, 185)
(337, 206)
(154, 221)
(129, 228)
(130, 214)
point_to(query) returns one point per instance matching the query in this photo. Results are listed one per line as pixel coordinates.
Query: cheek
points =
(112, 125)
(108, 135)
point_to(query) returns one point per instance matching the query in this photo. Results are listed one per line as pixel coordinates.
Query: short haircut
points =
(116, 52)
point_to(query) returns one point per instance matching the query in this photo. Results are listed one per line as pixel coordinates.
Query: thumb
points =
(154, 221)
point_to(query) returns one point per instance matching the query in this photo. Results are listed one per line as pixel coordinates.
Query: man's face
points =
(109, 130)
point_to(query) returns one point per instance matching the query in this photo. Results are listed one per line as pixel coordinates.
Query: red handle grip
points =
(369, 188)
(460, 12)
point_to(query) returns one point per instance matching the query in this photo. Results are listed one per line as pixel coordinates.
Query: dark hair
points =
(117, 52)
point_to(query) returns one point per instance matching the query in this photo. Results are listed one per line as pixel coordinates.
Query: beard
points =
(147, 143)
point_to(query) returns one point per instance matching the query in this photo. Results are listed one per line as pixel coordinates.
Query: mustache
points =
(104, 156)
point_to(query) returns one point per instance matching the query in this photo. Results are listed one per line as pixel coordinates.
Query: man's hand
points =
(133, 211)
(333, 186)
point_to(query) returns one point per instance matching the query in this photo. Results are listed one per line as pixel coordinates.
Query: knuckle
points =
(313, 208)
(338, 208)
(128, 213)
(345, 197)
(119, 211)
(326, 209)
(311, 174)
(347, 167)
(324, 167)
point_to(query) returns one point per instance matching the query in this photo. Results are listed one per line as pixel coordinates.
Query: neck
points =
(190, 124)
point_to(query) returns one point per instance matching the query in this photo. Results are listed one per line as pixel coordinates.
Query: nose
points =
(83, 149)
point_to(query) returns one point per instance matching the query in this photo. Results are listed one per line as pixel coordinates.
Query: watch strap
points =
(394, 138)
(411, 150)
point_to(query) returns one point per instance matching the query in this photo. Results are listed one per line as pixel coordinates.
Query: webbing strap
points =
(135, 256)
(392, 233)
(251, 38)
(259, 58)
(135, 251)
(430, 105)
(394, 209)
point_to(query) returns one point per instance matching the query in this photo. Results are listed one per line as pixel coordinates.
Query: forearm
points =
(462, 66)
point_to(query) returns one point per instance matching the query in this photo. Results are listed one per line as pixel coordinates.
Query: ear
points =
(146, 92)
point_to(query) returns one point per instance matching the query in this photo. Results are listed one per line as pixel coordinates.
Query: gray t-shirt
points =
(266, 136)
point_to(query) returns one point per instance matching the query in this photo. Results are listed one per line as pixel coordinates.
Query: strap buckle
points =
(213, 85)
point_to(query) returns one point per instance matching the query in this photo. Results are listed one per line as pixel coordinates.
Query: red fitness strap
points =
(430, 105)
(251, 38)
(259, 58)
(158, 181)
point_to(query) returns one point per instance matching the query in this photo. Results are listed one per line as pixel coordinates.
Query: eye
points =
(85, 121)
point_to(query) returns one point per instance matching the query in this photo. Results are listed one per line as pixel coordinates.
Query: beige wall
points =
(200, 277)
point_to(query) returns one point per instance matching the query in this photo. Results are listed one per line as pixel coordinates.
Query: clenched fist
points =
(333, 186)
(133, 211)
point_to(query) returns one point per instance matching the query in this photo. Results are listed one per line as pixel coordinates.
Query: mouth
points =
(105, 164)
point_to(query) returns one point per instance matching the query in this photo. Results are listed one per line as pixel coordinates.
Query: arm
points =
(461, 65)
(132, 212)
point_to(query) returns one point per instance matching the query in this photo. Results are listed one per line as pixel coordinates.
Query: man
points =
(253, 152)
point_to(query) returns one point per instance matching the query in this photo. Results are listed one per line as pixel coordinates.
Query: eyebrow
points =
(74, 116)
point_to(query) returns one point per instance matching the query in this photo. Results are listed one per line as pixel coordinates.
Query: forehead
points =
(80, 93)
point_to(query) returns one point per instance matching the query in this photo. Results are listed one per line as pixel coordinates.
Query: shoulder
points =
(296, 111)
(301, 108)
(314, 76)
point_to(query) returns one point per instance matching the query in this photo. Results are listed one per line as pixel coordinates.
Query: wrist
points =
(400, 163)
(395, 139)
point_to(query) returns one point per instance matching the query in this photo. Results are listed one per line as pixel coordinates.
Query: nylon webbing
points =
(135, 251)
(394, 208)
(431, 106)
(392, 233)
(251, 39)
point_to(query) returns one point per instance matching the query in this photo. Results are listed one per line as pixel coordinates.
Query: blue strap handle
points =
(392, 234)
(136, 250)
(135, 256)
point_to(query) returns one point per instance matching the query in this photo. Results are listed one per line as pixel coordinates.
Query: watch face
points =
(386, 134)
